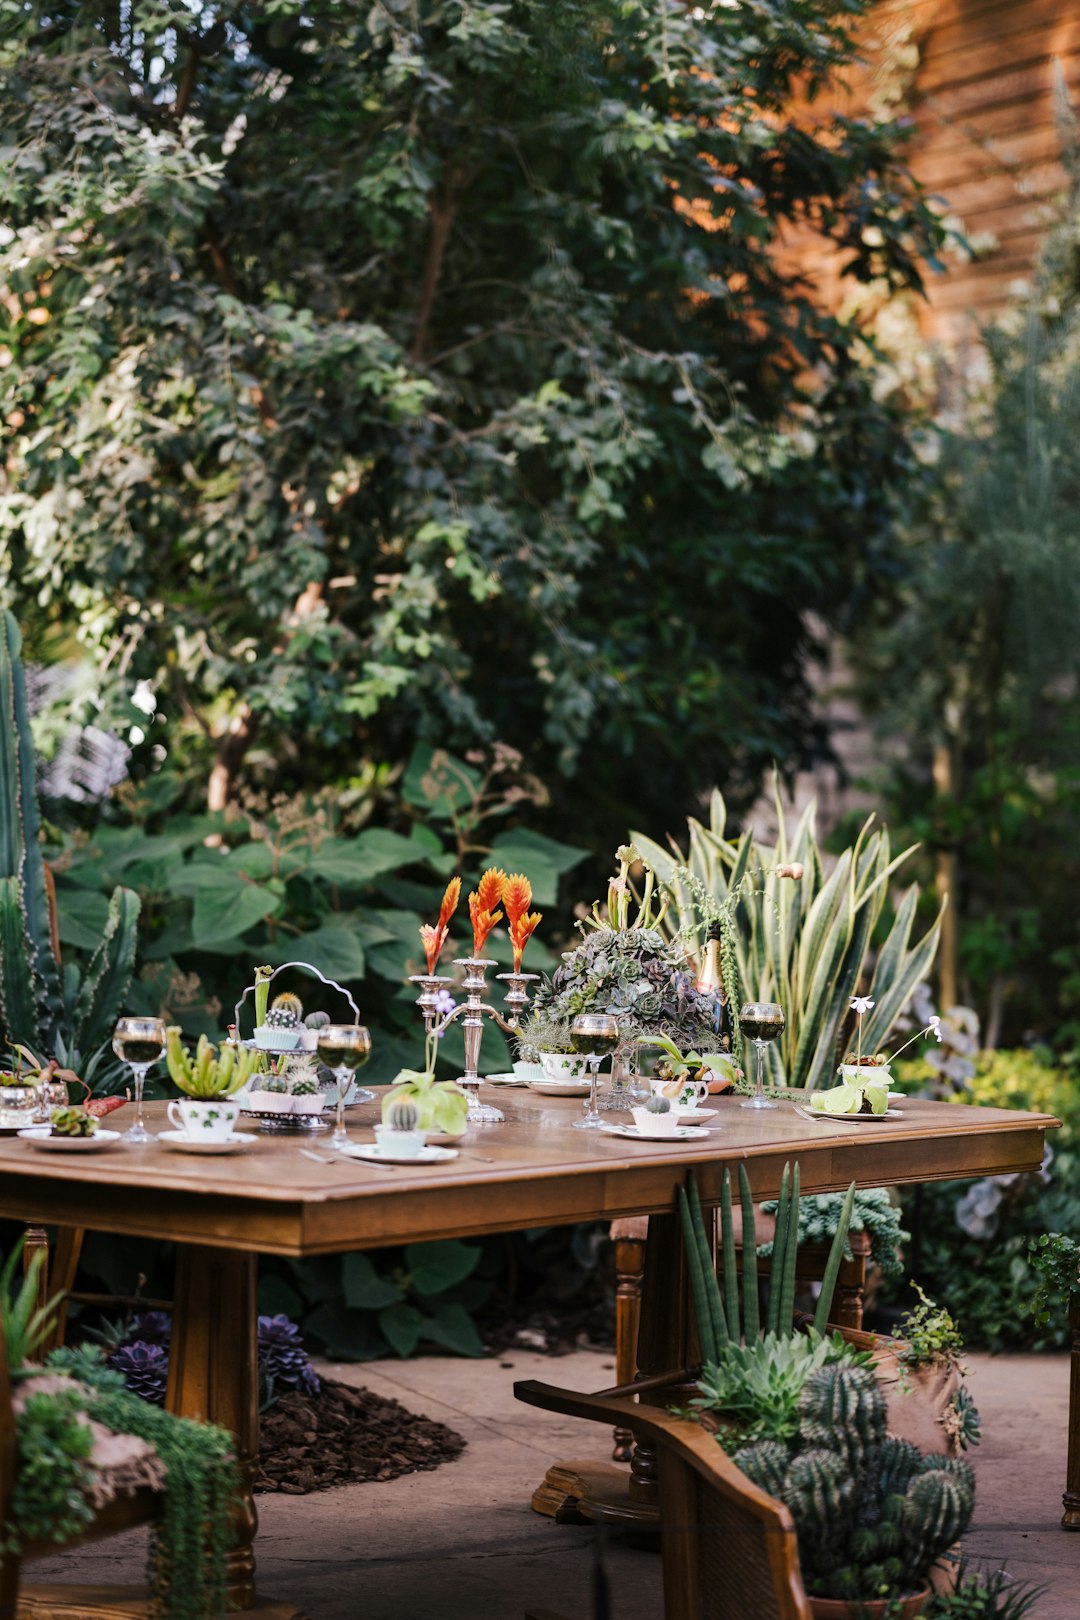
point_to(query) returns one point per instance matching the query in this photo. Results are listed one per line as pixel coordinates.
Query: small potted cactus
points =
(400, 1134)
(281, 1029)
(309, 1030)
(270, 1095)
(301, 1076)
(657, 1118)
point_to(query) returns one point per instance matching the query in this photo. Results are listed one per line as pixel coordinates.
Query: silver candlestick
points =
(472, 1012)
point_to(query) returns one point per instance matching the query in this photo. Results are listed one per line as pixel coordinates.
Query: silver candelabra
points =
(472, 1012)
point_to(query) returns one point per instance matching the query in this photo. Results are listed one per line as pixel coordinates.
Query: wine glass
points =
(761, 1022)
(140, 1043)
(594, 1036)
(344, 1048)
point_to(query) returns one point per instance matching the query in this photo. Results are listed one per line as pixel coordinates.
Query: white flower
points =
(861, 1004)
(934, 1027)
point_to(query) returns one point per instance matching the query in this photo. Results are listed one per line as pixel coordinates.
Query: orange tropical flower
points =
(516, 896)
(433, 939)
(482, 904)
(521, 931)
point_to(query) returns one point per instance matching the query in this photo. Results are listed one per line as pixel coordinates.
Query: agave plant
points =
(805, 944)
(47, 1005)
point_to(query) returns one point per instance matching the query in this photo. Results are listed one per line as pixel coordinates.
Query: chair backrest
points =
(729, 1549)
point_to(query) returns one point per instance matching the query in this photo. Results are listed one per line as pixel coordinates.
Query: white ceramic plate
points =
(18, 1130)
(373, 1150)
(503, 1080)
(559, 1088)
(697, 1116)
(70, 1144)
(682, 1133)
(849, 1119)
(183, 1143)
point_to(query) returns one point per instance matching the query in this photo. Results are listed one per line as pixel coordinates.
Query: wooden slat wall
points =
(986, 140)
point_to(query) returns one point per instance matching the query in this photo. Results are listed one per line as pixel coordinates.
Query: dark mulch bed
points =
(343, 1436)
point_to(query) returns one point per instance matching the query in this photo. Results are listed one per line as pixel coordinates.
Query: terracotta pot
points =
(841, 1609)
(918, 1400)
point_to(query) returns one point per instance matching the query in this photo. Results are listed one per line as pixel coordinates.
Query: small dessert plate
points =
(374, 1150)
(503, 1080)
(681, 1133)
(696, 1116)
(69, 1144)
(848, 1119)
(180, 1142)
(559, 1088)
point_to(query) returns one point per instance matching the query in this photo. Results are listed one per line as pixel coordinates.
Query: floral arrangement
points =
(864, 1082)
(494, 890)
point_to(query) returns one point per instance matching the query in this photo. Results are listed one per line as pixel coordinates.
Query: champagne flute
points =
(761, 1022)
(140, 1043)
(594, 1036)
(344, 1048)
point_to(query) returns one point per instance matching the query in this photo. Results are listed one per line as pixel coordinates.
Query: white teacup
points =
(205, 1119)
(562, 1066)
(404, 1144)
(692, 1095)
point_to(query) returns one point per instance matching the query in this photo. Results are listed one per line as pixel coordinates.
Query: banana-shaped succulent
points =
(211, 1073)
(72, 1122)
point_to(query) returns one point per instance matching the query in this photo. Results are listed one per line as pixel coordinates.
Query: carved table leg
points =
(213, 1375)
(1070, 1519)
(576, 1491)
(629, 1237)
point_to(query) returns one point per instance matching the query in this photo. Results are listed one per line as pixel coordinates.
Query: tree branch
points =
(443, 209)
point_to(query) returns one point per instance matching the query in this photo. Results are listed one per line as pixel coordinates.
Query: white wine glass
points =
(140, 1043)
(344, 1048)
(761, 1022)
(593, 1036)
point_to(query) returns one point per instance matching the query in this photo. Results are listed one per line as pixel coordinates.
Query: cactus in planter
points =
(872, 1513)
(275, 1083)
(283, 1015)
(43, 1005)
(658, 1105)
(317, 1020)
(402, 1115)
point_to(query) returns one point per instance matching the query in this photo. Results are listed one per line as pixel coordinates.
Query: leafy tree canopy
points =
(426, 369)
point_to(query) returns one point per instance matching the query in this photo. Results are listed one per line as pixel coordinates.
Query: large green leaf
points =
(81, 916)
(403, 1326)
(452, 1327)
(335, 951)
(435, 1267)
(364, 1288)
(230, 908)
(443, 784)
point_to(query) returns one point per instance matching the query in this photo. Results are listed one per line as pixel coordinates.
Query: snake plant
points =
(46, 1005)
(806, 944)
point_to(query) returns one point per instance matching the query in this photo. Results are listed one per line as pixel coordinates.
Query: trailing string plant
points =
(55, 1474)
(754, 1368)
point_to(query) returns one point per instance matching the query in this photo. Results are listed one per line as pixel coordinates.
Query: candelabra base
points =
(479, 1113)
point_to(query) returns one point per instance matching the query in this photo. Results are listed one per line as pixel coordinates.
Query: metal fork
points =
(318, 1158)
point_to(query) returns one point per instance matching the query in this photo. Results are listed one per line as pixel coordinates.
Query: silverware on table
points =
(319, 1158)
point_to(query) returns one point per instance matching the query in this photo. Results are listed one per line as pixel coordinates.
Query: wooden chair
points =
(122, 1513)
(729, 1550)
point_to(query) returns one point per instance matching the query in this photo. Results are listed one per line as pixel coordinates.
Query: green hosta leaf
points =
(229, 909)
(453, 1328)
(364, 1288)
(435, 1267)
(403, 1326)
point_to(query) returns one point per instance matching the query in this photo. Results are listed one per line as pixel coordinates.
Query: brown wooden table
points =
(224, 1211)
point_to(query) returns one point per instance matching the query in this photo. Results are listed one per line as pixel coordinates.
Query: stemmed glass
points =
(344, 1048)
(761, 1022)
(594, 1036)
(140, 1043)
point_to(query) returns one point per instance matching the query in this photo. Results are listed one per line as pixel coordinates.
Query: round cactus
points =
(658, 1105)
(317, 1020)
(276, 1083)
(306, 1086)
(403, 1115)
(72, 1122)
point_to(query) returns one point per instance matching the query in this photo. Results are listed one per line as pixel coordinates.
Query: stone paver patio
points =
(461, 1542)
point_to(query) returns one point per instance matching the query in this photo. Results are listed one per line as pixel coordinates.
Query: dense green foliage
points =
(971, 1240)
(428, 368)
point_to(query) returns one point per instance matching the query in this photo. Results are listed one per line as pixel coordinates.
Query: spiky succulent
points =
(306, 1086)
(287, 1002)
(283, 1361)
(72, 1122)
(280, 1017)
(872, 1513)
(403, 1115)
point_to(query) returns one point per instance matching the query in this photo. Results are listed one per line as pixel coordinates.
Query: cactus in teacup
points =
(658, 1105)
(72, 1122)
(403, 1115)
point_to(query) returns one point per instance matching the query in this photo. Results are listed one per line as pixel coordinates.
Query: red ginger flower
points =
(482, 904)
(433, 939)
(517, 898)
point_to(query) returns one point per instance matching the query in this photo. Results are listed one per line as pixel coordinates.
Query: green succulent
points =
(658, 1105)
(72, 1122)
(402, 1115)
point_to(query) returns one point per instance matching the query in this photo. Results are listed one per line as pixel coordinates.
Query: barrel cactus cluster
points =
(873, 1513)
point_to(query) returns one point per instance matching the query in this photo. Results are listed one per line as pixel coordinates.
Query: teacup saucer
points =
(180, 1142)
(374, 1150)
(69, 1144)
(682, 1133)
(559, 1088)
